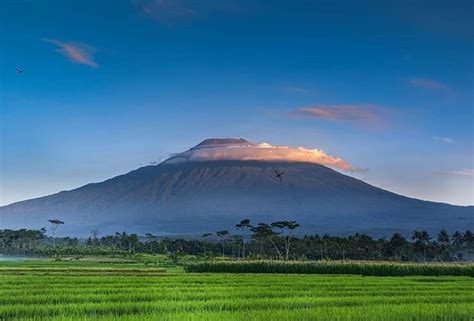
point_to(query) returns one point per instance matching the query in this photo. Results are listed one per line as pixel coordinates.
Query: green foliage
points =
(268, 241)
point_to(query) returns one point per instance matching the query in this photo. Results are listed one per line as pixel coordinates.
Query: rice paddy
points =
(102, 292)
(361, 268)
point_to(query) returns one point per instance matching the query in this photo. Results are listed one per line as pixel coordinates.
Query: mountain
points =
(188, 195)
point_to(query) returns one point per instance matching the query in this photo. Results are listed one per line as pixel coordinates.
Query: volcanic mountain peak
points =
(195, 197)
(221, 142)
(221, 181)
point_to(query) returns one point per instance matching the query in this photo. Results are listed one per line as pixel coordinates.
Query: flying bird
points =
(19, 70)
(278, 174)
(56, 221)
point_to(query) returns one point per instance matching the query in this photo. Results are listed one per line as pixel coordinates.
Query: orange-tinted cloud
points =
(368, 115)
(427, 83)
(264, 152)
(76, 52)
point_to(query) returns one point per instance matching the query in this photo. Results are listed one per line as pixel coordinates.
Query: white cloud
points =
(446, 140)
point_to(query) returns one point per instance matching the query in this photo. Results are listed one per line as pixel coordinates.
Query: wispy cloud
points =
(446, 140)
(167, 11)
(461, 172)
(297, 90)
(170, 12)
(427, 83)
(367, 115)
(79, 53)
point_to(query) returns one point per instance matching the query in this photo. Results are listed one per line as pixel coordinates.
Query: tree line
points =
(275, 240)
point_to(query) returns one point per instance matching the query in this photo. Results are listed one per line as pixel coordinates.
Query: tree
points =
(469, 240)
(235, 241)
(132, 242)
(94, 236)
(204, 236)
(422, 240)
(151, 239)
(263, 232)
(289, 226)
(341, 244)
(222, 235)
(444, 246)
(458, 240)
(54, 225)
(397, 246)
(242, 226)
(443, 237)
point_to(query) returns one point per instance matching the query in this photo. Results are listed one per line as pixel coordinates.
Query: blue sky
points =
(108, 86)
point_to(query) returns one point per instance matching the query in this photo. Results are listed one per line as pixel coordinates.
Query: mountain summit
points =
(219, 182)
(219, 142)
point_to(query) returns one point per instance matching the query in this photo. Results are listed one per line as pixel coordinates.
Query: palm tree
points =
(469, 239)
(458, 240)
(242, 226)
(443, 241)
(443, 237)
(422, 239)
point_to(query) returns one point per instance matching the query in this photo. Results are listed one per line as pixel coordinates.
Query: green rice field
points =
(81, 291)
(359, 268)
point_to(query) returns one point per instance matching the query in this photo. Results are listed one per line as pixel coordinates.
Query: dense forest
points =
(266, 241)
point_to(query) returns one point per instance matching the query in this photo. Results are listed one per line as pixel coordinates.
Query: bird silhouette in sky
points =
(19, 71)
(278, 174)
(56, 221)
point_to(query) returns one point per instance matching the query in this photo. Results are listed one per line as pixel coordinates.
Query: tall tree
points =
(55, 223)
(443, 237)
(458, 240)
(286, 226)
(222, 235)
(469, 240)
(94, 236)
(205, 236)
(443, 244)
(422, 240)
(244, 224)
(151, 240)
(397, 247)
(263, 232)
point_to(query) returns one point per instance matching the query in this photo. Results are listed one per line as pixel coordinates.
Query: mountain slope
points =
(200, 196)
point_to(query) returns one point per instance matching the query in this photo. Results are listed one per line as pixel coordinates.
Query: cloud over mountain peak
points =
(241, 149)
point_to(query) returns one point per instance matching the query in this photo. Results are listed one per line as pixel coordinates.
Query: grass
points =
(66, 291)
(361, 268)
